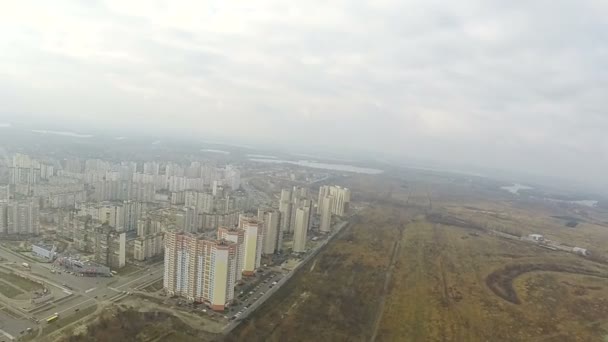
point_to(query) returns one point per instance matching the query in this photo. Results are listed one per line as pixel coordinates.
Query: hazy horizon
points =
(516, 87)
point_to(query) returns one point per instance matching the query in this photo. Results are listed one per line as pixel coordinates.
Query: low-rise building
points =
(44, 251)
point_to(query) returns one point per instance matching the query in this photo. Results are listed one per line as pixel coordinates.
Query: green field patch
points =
(20, 282)
(8, 290)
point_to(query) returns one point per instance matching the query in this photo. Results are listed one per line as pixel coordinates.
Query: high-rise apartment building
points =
(285, 207)
(273, 235)
(302, 222)
(200, 270)
(148, 246)
(3, 216)
(110, 247)
(4, 192)
(187, 219)
(96, 166)
(204, 201)
(122, 216)
(72, 165)
(341, 199)
(20, 217)
(253, 243)
(211, 221)
(233, 177)
(24, 170)
(299, 198)
(325, 206)
(149, 225)
(237, 236)
(151, 168)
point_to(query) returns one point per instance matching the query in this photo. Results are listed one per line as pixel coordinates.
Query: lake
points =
(514, 189)
(66, 134)
(325, 166)
(210, 150)
(261, 156)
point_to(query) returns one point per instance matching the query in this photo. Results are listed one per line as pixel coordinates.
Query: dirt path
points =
(387, 281)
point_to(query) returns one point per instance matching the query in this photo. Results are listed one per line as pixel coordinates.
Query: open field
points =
(8, 290)
(19, 282)
(427, 263)
(337, 293)
(122, 324)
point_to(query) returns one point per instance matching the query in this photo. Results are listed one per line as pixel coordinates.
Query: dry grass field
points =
(334, 298)
(423, 264)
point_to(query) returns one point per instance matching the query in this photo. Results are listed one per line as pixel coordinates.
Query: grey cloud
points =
(496, 84)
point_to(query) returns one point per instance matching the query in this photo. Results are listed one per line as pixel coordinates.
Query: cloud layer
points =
(518, 85)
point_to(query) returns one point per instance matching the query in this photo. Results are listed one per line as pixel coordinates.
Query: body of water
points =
(582, 203)
(261, 156)
(210, 150)
(514, 189)
(586, 203)
(325, 166)
(66, 134)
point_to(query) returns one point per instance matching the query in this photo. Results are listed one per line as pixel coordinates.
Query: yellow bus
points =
(52, 319)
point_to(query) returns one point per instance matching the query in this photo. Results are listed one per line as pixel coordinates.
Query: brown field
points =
(422, 264)
(130, 325)
(337, 293)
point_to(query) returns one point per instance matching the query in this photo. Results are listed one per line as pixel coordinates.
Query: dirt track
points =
(501, 281)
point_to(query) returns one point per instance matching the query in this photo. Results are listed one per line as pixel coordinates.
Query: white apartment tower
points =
(22, 217)
(325, 208)
(302, 222)
(341, 199)
(253, 243)
(236, 236)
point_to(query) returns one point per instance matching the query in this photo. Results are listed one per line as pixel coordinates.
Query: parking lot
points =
(73, 294)
(252, 290)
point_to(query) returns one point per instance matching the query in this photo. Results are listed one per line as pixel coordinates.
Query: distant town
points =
(80, 234)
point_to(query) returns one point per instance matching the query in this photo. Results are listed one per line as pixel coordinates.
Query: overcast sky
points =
(521, 85)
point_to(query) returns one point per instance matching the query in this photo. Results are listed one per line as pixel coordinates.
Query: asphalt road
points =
(80, 292)
(254, 288)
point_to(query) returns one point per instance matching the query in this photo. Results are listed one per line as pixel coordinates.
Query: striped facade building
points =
(200, 270)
